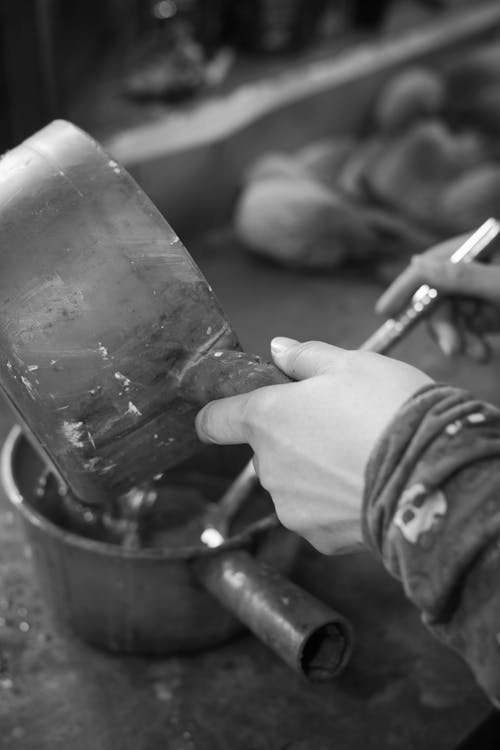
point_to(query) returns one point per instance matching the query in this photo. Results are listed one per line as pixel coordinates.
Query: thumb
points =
(305, 360)
(471, 279)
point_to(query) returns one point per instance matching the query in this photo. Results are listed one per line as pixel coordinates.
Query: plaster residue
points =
(41, 303)
(28, 385)
(107, 468)
(136, 498)
(123, 380)
(114, 166)
(212, 537)
(74, 433)
(132, 409)
(102, 350)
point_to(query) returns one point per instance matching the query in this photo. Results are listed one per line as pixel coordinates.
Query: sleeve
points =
(432, 513)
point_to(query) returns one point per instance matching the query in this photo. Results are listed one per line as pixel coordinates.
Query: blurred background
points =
(51, 48)
(205, 100)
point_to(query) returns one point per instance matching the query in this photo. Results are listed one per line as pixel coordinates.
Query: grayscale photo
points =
(250, 375)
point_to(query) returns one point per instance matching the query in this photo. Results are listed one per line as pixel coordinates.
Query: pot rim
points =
(8, 452)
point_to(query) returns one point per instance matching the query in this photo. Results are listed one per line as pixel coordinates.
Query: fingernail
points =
(280, 344)
(201, 423)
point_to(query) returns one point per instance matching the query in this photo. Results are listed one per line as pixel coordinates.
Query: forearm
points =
(432, 512)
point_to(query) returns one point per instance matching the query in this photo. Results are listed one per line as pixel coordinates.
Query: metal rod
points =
(427, 297)
(219, 515)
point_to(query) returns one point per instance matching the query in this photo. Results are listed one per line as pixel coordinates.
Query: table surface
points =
(401, 690)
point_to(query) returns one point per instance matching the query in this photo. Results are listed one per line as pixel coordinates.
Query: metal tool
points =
(111, 339)
(427, 297)
(219, 515)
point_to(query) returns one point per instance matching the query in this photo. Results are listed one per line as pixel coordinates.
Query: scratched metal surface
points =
(402, 689)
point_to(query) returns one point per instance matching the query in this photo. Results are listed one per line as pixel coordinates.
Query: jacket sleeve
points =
(432, 512)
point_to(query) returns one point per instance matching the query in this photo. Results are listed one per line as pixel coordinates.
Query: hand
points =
(312, 439)
(472, 310)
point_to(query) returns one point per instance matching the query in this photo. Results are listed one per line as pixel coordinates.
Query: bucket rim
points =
(12, 445)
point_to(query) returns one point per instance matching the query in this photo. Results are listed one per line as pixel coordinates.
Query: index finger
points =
(222, 421)
(405, 285)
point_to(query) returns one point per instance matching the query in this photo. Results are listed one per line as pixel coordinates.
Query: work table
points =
(402, 689)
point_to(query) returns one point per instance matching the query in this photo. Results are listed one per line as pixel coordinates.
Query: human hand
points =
(312, 439)
(472, 309)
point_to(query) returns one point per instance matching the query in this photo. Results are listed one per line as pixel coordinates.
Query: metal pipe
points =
(307, 634)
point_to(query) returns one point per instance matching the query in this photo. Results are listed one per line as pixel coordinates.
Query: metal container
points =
(145, 601)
